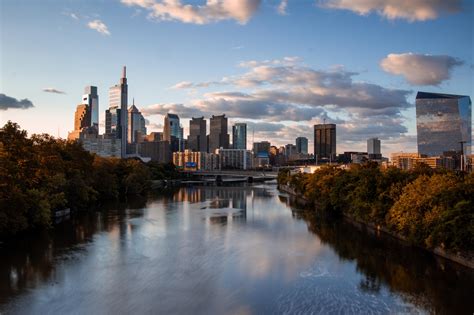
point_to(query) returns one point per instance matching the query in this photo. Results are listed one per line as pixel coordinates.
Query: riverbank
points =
(458, 257)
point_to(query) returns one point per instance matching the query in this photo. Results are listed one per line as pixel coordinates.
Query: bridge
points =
(228, 176)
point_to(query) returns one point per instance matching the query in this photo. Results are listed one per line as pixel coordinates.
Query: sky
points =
(279, 66)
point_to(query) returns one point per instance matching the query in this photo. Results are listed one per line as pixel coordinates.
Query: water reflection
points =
(215, 250)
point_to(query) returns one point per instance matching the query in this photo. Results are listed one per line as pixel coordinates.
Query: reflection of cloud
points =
(419, 69)
(211, 11)
(411, 10)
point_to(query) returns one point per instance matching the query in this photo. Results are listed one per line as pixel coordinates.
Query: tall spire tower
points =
(118, 104)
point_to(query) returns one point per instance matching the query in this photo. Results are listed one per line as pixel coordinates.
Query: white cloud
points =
(282, 7)
(99, 26)
(419, 69)
(211, 11)
(411, 10)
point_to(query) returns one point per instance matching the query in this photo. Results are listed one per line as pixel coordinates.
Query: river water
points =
(223, 250)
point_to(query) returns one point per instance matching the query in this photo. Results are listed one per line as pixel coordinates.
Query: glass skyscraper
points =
(116, 115)
(136, 125)
(239, 136)
(443, 121)
(91, 98)
(197, 139)
(302, 145)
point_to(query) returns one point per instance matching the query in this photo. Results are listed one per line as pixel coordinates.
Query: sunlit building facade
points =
(443, 121)
(325, 142)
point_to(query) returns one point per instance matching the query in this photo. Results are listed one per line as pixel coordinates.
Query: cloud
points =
(211, 11)
(411, 10)
(419, 69)
(282, 7)
(99, 26)
(74, 16)
(8, 102)
(53, 90)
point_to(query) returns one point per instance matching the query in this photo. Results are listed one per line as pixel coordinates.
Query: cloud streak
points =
(420, 69)
(8, 102)
(53, 90)
(411, 10)
(212, 11)
(99, 26)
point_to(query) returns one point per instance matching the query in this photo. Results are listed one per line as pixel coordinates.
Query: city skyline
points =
(248, 73)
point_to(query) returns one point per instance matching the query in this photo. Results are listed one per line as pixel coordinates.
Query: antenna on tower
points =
(124, 72)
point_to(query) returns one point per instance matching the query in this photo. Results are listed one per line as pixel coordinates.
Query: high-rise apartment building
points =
(373, 146)
(91, 98)
(136, 125)
(325, 142)
(116, 115)
(302, 145)
(197, 139)
(443, 121)
(239, 136)
(218, 133)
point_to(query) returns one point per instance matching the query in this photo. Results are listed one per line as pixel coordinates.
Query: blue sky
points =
(338, 54)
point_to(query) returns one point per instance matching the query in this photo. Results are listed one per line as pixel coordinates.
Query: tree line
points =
(41, 174)
(430, 208)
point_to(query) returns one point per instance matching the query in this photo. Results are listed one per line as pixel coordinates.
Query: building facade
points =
(325, 142)
(172, 132)
(443, 121)
(218, 133)
(235, 159)
(239, 136)
(197, 139)
(373, 146)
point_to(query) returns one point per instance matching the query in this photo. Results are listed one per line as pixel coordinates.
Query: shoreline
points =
(454, 257)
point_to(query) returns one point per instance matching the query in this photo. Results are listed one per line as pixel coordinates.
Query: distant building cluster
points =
(443, 129)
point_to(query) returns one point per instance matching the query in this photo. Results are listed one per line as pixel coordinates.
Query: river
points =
(223, 250)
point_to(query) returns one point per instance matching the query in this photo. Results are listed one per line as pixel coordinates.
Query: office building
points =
(373, 146)
(302, 145)
(197, 139)
(218, 133)
(91, 98)
(239, 136)
(408, 161)
(443, 121)
(173, 133)
(290, 150)
(82, 118)
(116, 115)
(235, 159)
(325, 142)
(261, 147)
(136, 125)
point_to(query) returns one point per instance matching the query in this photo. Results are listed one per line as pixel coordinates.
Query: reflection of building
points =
(136, 125)
(218, 135)
(239, 136)
(234, 159)
(197, 139)
(443, 121)
(325, 142)
(116, 116)
(91, 98)
(302, 145)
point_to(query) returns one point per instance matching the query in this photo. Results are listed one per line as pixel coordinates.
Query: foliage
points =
(40, 175)
(428, 207)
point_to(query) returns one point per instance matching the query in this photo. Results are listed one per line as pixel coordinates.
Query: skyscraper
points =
(302, 145)
(325, 142)
(172, 132)
(82, 119)
(136, 124)
(218, 134)
(239, 136)
(261, 147)
(373, 146)
(91, 98)
(118, 108)
(197, 139)
(442, 122)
